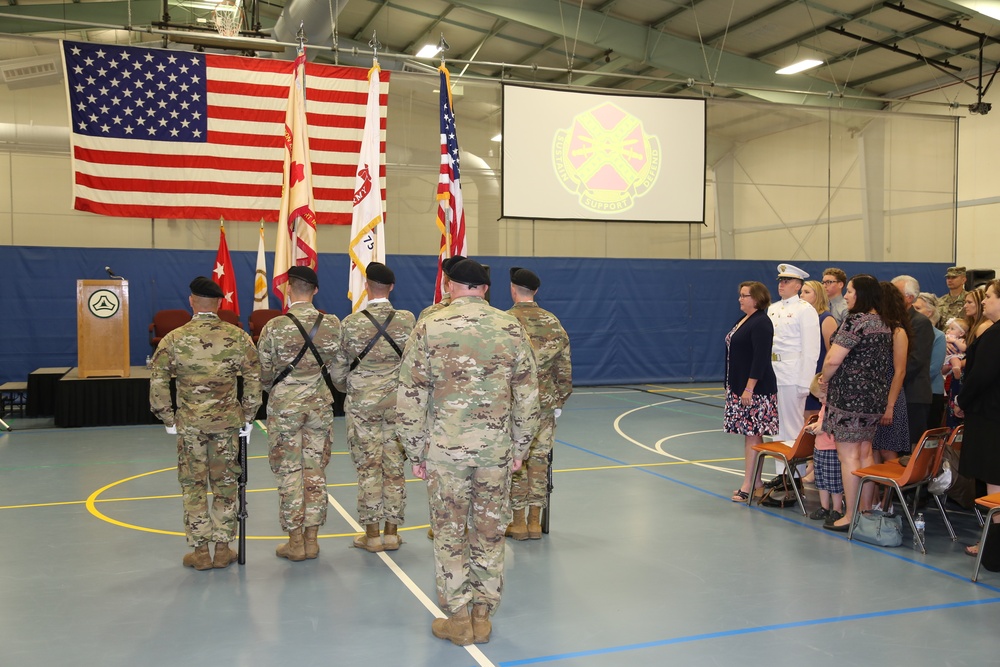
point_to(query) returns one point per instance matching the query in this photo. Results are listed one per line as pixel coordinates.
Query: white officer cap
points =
(791, 271)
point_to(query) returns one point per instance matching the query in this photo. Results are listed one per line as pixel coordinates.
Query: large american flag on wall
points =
(177, 134)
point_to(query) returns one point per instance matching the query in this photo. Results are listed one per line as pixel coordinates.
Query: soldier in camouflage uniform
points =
(446, 263)
(467, 408)
(299, 413)
(555, 383)
(952, 304)
(366, 368)
(205, 356)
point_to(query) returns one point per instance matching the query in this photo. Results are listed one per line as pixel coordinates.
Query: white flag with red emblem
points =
(450, 211)
(260, 276)
(223, 274)
(367, 229)
(296, 242)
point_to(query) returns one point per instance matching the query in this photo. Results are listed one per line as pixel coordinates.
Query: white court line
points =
(658, 449)
(472, 649)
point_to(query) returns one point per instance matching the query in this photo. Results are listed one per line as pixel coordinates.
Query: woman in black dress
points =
(751, 388)
(979, 400)
(857, 371)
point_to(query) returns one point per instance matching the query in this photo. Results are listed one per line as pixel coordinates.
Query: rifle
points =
(241, 514)
(548, 495)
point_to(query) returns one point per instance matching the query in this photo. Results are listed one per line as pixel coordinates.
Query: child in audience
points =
(826, 466)
(954, 360)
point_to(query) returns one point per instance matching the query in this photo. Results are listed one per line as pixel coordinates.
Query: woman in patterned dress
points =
(857, 373)
(751, 388)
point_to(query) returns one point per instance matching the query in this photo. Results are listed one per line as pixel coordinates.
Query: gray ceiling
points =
(725, 48)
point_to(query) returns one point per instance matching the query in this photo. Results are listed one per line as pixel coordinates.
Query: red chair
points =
(921, 468)
(791, 455)
(258, 319)
(165, 321)
(231, 317)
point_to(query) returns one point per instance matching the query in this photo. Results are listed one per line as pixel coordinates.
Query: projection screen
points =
(571, 155)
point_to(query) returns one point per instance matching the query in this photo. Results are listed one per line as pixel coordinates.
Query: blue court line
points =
(879, 550)
(745, 631)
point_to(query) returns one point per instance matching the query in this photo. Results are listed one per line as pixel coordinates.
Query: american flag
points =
(450, 212)
(177, 134)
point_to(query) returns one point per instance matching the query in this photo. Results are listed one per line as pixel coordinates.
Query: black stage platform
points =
(106, 401)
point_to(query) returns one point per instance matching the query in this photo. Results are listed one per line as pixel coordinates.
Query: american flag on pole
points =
(296, 242)
(260, 276)
(223, 274)
(450, 212)
(367, 230)
(172, 134)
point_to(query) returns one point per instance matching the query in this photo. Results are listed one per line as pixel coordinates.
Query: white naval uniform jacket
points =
(795, 349)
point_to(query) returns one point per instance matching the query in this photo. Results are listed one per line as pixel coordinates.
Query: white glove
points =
(246, 430)
(172, 430)
(557, 412)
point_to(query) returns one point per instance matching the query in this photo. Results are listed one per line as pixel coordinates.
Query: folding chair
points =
(923, 465)
(992, 503)
(799, 452)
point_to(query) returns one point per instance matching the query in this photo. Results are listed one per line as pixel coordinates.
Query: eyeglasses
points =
(830, 282)
(744, 296)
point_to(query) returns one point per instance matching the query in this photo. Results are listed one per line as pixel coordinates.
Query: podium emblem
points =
(103, 303)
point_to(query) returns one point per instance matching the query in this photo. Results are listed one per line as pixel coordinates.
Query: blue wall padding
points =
(630, 320)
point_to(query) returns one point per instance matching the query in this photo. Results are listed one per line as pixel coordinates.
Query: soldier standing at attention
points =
(206, 355)
(294, 351)
(555, 383)
(467, 408)
(952, 304)
(366, 367)
(446, 264)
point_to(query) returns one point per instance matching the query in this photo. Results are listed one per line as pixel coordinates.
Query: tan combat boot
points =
(517, 530)
(481, 626)
(224, 556)
(371, 541)
(199, 559)
(534, 525)
(390, 538)
(295, 548)
(456, 628)
(311, 544)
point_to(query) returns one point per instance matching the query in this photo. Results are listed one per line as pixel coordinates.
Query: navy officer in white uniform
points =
(794, 352)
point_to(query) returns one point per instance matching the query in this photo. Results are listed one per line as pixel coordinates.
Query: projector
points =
(980, 108)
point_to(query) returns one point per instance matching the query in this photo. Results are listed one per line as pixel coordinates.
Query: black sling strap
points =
(381, 333)
(307, 345)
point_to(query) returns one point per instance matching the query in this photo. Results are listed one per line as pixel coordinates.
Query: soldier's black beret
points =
(524, 278)
(469, 272)
(304, 273)
(206, 288)
(378, 272)
(449, 262)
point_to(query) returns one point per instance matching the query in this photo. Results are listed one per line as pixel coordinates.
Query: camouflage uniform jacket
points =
(468, 388)
(951, 306)
(434, 307)
(205, 355)
(377, 376)
(280, 342)
(551, 345)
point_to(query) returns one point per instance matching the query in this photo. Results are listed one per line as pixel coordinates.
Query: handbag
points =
(878, 528)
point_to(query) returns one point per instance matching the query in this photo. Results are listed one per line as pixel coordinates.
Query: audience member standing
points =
(952, 304)
(793, 353)
(917, 385)
(206, 356)
(927, 305)
(294, 352)
(834, 281)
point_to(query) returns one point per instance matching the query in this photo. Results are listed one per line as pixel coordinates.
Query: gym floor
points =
(648, 563)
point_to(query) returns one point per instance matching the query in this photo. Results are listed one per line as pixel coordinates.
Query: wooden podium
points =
(102, 328)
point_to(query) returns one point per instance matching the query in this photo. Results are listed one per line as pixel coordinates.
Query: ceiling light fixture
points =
(497, 138)
(800, 66)
(428, 51)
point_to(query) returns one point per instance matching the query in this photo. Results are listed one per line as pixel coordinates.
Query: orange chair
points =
(258, 319)
(231, 317)
(921, 468)
(992, 503)
(165, 321)
(799, 452)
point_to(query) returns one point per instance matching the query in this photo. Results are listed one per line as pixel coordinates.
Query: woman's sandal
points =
(740, 496)
(972, 550)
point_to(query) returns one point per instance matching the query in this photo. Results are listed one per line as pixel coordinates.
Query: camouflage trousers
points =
(205, 459)
(379, 459)
(468, 563)
(299, 453)
(530, 483)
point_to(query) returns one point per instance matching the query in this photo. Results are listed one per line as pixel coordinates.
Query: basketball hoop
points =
(228, 18)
